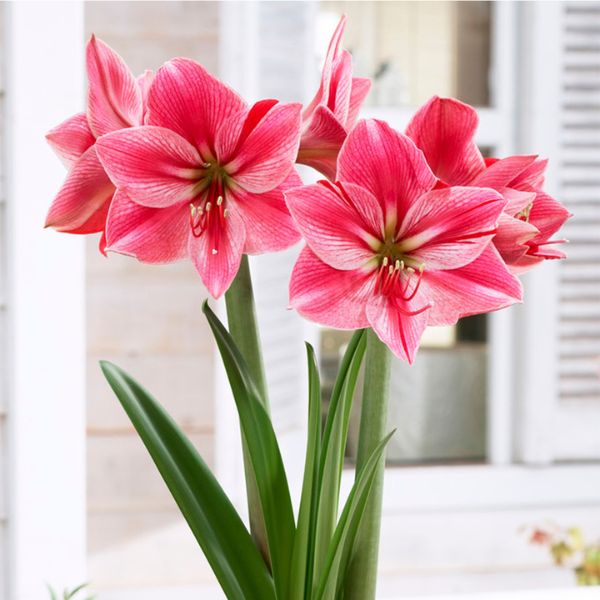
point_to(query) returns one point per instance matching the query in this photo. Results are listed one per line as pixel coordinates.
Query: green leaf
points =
(52, 593)
(212, 518)
(340, 550)
(334, 445)
(73, 592)
(261, 441)
(300, 585)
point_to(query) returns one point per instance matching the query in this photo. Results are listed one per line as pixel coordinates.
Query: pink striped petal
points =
(96, 222)
(267, 153)
(482, 286)
(322, 138)
(236, 129)
(186, 98)
(152, 165)
(341, 87)
(71, 138)
(516, 201)
(268, 223)
(512, 236)
(502, 172)
(328, 296)
(444, 129)
(152, 235)
(548, 214)
(450, 227)
(322, 95)
(360, 88)
(144, 82)
(114, 97)
(343, 227)
(85, 190)
(387, 164)
(217, 253)
(532, 177)
(396, 325)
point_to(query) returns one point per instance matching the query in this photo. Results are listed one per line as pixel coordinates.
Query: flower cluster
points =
(408, 230)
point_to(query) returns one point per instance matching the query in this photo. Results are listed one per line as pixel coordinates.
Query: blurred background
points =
(498, 421)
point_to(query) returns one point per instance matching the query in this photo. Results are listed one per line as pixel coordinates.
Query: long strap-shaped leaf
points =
(334, 446)
(212, 518)
(300, 585)
(345, 533)
(261, 441)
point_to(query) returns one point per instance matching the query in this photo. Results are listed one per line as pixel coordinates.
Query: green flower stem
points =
(243, 326)
(361, 583)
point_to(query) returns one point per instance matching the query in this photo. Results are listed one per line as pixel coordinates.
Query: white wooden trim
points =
(45, 304)
(469, 488)
(539, 131)
(501, 340)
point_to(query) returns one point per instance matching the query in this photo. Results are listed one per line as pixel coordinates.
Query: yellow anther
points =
(208, 206)
(219, 200)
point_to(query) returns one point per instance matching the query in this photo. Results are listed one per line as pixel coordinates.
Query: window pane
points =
(414, 50)
(437, 405)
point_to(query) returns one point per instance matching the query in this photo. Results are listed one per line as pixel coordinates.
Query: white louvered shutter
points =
(578, 422)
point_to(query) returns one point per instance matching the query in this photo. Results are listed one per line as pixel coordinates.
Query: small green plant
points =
(569, 549)
(73, 594)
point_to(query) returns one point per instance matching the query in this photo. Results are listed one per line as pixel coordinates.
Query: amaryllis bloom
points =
(115, 100)
(333, 111)
(386, 250)
(205, 178)
(444, 130)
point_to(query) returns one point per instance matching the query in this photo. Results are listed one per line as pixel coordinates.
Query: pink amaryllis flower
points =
(444, 130)
(115, 100)
(333, 111)
(205, 178)
(386, 249)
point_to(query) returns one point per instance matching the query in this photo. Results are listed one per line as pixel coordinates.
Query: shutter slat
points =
(579, 275)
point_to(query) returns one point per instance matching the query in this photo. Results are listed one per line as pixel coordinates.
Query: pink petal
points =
(267, 154)
(342, 227)
(216, 254)
(152, 235)
(85, 190)
(114, 97)
(328, 296)
(512, 236)
(322, 138)
(144, 82)
(444, 129)
(186, 98)
(341, 87)
(480, 287)
(386, 163)
(71, 138)
(532, 177)
(448, 228)
(268, 223)
(322, 95)
(96, 222)
(236, 129)
(516, 201)
(360, 88)
(392, 320)
(548, 214)
(152, 165)
(502, 172)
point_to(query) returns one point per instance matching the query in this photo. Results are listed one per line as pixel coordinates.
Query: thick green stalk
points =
(243, 327)
(361, 581)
